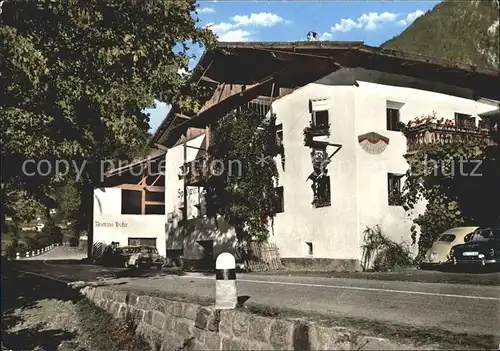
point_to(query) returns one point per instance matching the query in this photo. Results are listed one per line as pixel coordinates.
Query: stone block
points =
(91, 292)
(259, 328)
(172, 341)
(190, 311)
(148, 317)
(120, 296)
(226, 322)
(240, 324)
(98, 293)
(183, 328)
(323, 338)
(202, 318)
(281, 334)
(144, 302)
(199, 334)
(157, 304)
(122, 312)
(213, 341)
(158, 320)
(169, 323)
(107, 294)
(229, 343)
(214, 321)
(176, 308)
(139, 314)
(132, 299)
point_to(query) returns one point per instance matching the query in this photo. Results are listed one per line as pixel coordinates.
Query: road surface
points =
(59, 253)
(456, 308)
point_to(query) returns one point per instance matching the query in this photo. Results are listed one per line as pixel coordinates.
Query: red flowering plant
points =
(423, 120)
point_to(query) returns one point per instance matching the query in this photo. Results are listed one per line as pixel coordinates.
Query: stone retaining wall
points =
(174, 325)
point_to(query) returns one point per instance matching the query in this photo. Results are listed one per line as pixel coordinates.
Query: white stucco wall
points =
(331, 229)
(198, 226)
(110, 225)
(370, 115)
(358, 180)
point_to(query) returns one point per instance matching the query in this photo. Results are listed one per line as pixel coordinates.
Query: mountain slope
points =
(460, 31)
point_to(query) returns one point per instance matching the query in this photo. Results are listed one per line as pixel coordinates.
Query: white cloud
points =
(220, 28)
(412, 16)
(235, 35)
(206, 10)
(345, 25)
(368, 21)
(326, 36)
(265, 19)
(233, 32)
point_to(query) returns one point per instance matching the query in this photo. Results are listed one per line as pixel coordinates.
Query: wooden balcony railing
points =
(317, 130)
(435, 134)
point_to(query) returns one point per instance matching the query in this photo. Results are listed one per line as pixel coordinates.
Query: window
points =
(142, 241)
(279, 139)
(393, 119)
(320, 118)
(310, 248)
(279, 201)
(447, 238)
(394, 189)
(464, 121)
(131, 202)
(321, 189)
(279, 133)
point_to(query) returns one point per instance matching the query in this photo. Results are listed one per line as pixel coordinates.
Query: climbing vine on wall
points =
(244, 194)
(457, 180)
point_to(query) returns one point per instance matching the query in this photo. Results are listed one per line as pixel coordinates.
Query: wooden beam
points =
(143, 202)
(156, 179)
(209, 80)
(205, 71)
(154, 203)
(136, 187)
(143, 181)
(161, 147)
(180, 115)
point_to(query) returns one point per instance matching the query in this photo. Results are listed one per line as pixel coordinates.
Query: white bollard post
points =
(226, 295)
(38, 252)
(32, 253)
(27, 254)
(18, 256)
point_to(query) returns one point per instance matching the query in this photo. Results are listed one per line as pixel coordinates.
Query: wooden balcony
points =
(422, 136)
(317, 130)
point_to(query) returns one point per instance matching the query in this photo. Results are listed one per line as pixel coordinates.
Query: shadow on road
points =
(22, 292)
(148, 273)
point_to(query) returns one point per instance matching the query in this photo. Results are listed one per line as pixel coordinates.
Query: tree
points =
(244, 142)
(75, 79)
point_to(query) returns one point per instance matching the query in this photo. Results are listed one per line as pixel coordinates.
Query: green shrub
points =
(383, 254)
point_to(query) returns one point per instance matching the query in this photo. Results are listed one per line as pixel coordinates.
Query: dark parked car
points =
(482, 249)
(141, 256)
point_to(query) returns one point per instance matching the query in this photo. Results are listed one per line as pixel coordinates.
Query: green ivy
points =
(244, 199)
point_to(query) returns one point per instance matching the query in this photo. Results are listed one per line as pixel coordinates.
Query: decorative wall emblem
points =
(373, 143)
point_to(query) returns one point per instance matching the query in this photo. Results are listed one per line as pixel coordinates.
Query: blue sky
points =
(370, 21)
